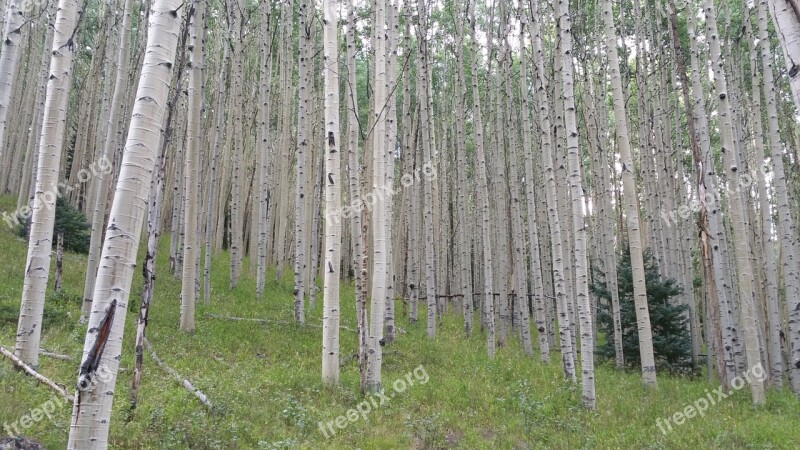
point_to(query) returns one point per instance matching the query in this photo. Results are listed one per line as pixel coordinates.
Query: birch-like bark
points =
(219, 123)
(40, 241)
(333, 193)
(540, 84)
(787, 227)
(762, 227)
(578, 224)
(303, 129)
(538, 294)
(464, 253)
(264, 150)
(786, 15)
(379, 248)
(192, 168)
(426, 121)
(9, 59)
(354, 171)
(631, 205)
(102, 181)
(237, 207)
(482, 188)
(91, 413)
(741, 247)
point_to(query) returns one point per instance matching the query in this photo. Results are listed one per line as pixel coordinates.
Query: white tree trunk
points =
(102, 181)
(631, 205)
(40, 241)
(747, 297)
(192, 169)
(9, 57)
(333, 194)
(578, 224)
(380, 255)
(91, 413)
(787, 227)
(786, 14)
(540, 85)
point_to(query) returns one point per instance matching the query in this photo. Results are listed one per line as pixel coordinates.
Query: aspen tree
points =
(91, 413)
(212, 203)
(237, 176)
(464, 253)
(333, 228)
(631, 205)
(303, 150)
(264, 153)
(192, 169)
(40, 241)
(9, 59)
(540, 85)
(423, 88)
(379, 213)
(578, 224)
(741, 247)
(787, 227)
(786, 15)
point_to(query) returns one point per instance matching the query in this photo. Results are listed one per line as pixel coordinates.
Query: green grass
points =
(264, 382)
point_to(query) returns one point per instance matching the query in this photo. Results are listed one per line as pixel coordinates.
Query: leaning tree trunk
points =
(91, 413)
(110, 145)
(333, 193)
(631, 205)
(40, 240)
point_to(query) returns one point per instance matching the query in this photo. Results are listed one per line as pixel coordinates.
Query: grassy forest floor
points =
(264, 382)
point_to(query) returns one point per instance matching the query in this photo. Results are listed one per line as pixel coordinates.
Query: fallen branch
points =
(41, 378)
(268, 321)
(55, 355)
(186, 383)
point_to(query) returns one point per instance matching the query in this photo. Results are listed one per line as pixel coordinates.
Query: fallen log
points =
(183, 381)
(41, 378)
(55, 355)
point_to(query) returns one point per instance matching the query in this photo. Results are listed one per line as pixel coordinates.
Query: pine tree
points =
(671, 341)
